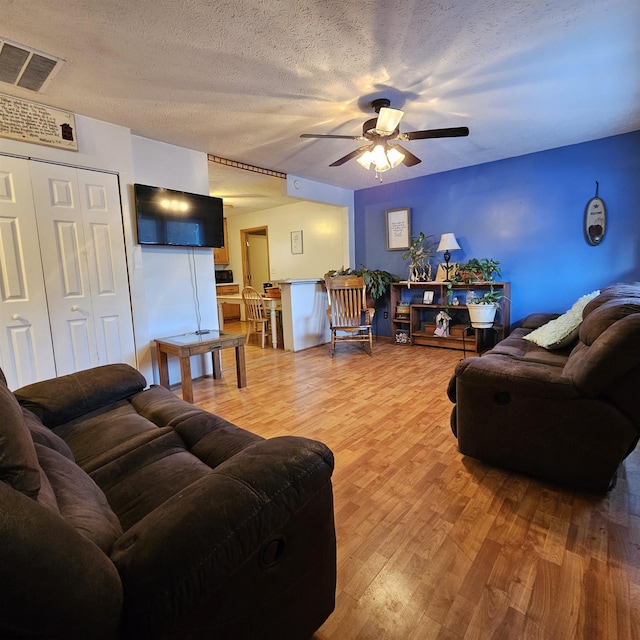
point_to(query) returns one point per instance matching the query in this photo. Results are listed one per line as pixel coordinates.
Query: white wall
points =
(179, 282)
(298, 187)
(323, 227)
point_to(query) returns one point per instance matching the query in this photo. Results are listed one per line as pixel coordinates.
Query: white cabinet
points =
(65, 303)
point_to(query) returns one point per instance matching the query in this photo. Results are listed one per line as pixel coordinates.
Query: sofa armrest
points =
(262, 520)
(501, 374)
(55, 582)
(62, 399)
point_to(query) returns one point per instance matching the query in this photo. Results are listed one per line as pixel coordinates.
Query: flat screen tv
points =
(178, 218)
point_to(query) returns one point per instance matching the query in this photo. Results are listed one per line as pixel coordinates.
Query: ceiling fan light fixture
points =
(395, 157)
(365, 160)
(388, 121)
(379, 158)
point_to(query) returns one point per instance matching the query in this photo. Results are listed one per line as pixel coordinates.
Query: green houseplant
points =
(376, 281)
(420, 252)
(478, 270)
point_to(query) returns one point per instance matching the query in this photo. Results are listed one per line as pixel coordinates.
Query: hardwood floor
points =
(433, 545)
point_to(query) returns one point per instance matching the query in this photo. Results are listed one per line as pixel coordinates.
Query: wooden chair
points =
(349, 317)
(256, 313)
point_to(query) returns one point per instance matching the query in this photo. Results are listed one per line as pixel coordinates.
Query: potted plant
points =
(420, 251)
(481, 270)
(482, 308)
(376, 281)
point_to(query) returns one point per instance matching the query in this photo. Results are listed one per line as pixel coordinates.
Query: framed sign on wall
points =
(398, 229)
(32, 122)
(296, 242)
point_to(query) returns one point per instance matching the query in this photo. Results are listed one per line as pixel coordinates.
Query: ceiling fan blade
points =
(409, 159)
(453, 132)
(330, 135)
(350, 156)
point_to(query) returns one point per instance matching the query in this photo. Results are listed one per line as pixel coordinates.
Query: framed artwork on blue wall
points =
(398, 229)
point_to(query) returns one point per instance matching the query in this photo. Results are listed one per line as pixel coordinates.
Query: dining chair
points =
(256, 313)
(350, 318)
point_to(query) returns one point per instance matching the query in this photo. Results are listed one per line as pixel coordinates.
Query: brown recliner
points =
(570, 415)
(128, 513)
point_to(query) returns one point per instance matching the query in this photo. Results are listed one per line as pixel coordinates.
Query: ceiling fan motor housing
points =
(379, 103)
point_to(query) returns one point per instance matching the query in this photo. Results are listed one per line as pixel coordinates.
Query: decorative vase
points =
(420, 272)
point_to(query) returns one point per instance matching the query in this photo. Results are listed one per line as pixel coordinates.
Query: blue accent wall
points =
(527, 212)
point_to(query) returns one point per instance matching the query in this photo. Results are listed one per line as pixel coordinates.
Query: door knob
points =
(74, 308)
(15, 316)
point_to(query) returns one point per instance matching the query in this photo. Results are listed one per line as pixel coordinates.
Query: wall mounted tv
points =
(177, 218)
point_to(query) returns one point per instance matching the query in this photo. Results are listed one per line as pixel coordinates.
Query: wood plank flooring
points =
(433, 545)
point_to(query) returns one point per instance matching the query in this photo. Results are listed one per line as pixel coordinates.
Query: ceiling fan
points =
(383, 133)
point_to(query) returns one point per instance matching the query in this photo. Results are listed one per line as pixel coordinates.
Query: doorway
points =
(255, 257)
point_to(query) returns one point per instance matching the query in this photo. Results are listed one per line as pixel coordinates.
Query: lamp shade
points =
(448, 242)
(379, 158)
(365, 159)
(395, 157)
(388, 120)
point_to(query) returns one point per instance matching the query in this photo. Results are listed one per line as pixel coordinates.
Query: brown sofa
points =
(570, 414)
(128, 513)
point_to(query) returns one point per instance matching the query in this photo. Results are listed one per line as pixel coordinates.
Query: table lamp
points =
(447, 244)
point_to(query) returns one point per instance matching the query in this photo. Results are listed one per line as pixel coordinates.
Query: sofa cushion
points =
(517, 348)
(79, 500)
(18, 460)
(562, 331)
(604, 316)
(107, 434)
(613, 292)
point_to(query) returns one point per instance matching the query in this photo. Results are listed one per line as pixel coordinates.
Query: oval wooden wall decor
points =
(595, 220)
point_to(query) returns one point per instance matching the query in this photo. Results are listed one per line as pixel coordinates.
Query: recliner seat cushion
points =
(107, 434)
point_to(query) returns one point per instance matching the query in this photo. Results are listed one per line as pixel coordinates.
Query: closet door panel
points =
(106, 262)
(26, 350)
(62, 245)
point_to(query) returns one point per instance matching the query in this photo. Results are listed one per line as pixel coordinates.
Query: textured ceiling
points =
(242, 79)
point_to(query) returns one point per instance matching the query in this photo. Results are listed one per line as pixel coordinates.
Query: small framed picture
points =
(296, 242)
(398, 229)
(427, 297)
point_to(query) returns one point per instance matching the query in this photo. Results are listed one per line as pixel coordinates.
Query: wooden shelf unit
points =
(419, 328)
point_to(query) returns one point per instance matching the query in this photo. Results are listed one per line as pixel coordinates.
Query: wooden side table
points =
(191, 344)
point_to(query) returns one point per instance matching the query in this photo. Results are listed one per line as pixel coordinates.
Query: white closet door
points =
(82, 247)
(26, 352)
(106, 262)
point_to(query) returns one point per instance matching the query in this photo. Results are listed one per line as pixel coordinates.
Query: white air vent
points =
(25, 67)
